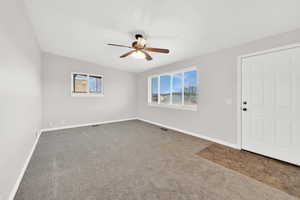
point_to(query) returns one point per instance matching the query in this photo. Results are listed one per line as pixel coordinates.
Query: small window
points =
(87, 84)
(174, 90)
(95, 84)
(80, 83)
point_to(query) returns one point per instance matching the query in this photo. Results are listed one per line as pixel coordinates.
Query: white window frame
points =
(174, 106)
(87, 94)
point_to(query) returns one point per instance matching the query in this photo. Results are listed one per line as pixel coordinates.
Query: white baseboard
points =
(87, 124)
(20, 177)
(16, 186)
(235, 146)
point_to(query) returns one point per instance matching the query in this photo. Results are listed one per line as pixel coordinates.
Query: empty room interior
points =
(149, 100)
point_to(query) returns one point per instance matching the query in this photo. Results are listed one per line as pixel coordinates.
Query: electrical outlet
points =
(50, 124)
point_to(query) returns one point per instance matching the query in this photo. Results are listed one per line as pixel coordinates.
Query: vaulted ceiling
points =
(81, 28)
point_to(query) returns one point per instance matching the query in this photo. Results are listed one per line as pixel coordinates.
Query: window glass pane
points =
(165, 85)
(154, 90)
(79, 83)
(177, 88)
(190, 87)
(95, 84)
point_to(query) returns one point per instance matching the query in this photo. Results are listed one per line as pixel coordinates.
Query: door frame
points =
(239, 86)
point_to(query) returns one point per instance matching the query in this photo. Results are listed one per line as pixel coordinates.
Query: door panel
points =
(271, 88)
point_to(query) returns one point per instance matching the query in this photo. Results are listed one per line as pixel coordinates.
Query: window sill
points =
(86, 95)
(177, 107)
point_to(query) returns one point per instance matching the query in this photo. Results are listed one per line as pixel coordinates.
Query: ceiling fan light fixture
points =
(139, 49)
(138, 55)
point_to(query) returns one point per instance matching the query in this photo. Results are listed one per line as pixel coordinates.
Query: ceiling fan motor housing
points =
(137, 36)
(134, 44)
(140, 42)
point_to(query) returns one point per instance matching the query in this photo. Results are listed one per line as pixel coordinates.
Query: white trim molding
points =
(87, 124)
(21, 175)
(239, 85)
(192, 134)
(177, 107)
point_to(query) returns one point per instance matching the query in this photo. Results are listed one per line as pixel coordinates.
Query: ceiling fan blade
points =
(148, 57)
(157, 50)
(127, 54)
(118, 45)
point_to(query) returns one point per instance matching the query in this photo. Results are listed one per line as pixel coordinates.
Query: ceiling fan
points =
(140, 49)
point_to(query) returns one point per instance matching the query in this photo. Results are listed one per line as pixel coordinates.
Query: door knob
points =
(244, 109)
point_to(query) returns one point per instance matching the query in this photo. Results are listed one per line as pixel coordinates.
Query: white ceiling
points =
(81, 28)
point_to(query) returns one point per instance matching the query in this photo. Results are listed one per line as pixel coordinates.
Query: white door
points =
(271, 104)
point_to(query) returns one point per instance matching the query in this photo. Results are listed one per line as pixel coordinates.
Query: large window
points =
(87, 84)
(177, 89)
(190, 87)
(165, 89)
(154, 90)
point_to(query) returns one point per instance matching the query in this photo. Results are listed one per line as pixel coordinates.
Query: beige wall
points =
(20, 92)
(125, 94)
(216, 116)
(61, 109)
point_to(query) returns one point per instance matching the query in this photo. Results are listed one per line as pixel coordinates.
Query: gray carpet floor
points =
(132, 160)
